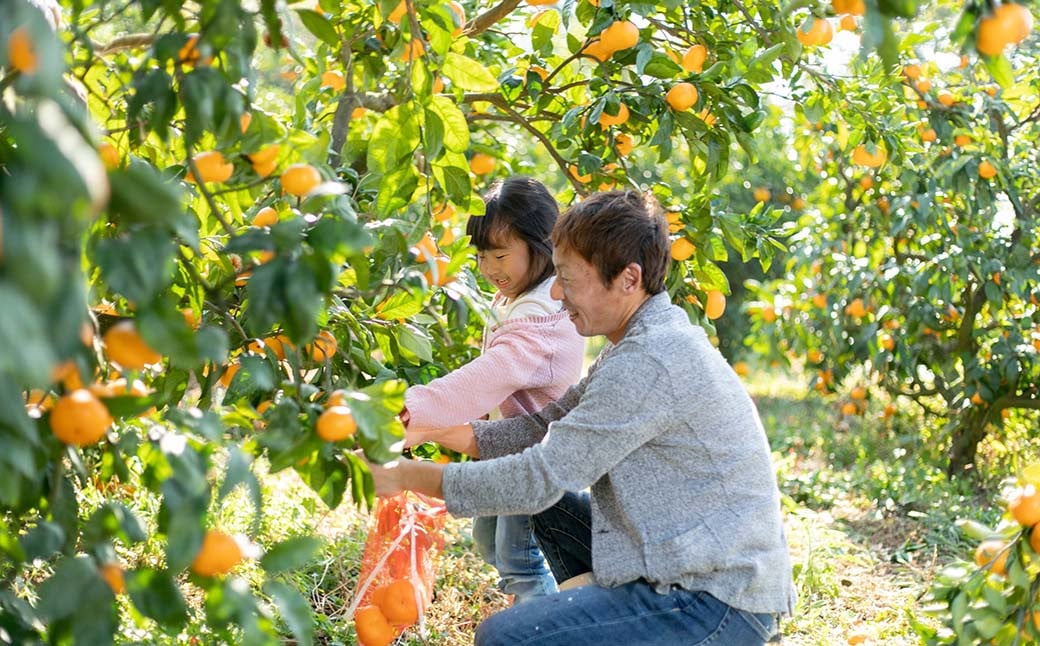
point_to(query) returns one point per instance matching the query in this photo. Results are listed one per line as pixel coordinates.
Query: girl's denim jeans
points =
(507, 543)
(632, 614)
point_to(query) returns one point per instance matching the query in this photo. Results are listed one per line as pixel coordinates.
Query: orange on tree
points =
(573, 171)
(768, 314)
(211, 167)
(438, 274)
(397, 13)
(993, 553)
(859, 393)
(856, 308)
(912, 71)
(336, 423)
(426, 249)
(265, 155)
(815, 31)
(606, 120)
(619, 35)
(862, 156)
(762, 194)
(80, 418)
(413, 49)
(987, 170)
(848, 408)
(229, 374)
(623, 144)
(324, 346)
(819, 300)
(244, 121)
(482, 164)
(682, 249)
(124, 345)
(112, 573)
(459, 17)
(21, 53)
(358, 112)
(596, 49)
(265, 217)
(109, 155)
(693, 59)
(888, 342)
(372, 628)
(847, 23)
(716, 304)
(334, 80)
(444, 212)
(1024, 505)
(1009, 24)
(890, 410)
(741, 368)
(1034, 540)
(219, 553)
(682, 96)
(923, 86)
(398, 603)
(961, 140)
(300, 179)
(814, 356)
(946, 99)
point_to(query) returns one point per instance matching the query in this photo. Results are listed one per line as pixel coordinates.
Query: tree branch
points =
(484, 21)
(129, 41)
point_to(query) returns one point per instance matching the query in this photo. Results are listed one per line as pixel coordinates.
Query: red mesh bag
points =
(398, 567)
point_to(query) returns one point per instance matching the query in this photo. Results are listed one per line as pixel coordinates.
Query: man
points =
(681, 530)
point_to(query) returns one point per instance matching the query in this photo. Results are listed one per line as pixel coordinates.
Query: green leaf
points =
(295, 610)
(27, 354)
(375, 409)
(394, 138)
(468, 74)
(139, 266)
(416, 342)
(396, 189)
(74, 580)
(456, 129)
(156, 595)
(290, 554)
(399, 305)
(318, 25)
(1000, 69)
(42, 541)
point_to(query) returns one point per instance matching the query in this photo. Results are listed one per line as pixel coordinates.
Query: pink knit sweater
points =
(527, 362)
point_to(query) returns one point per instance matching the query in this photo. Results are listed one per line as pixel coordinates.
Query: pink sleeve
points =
(514, 360)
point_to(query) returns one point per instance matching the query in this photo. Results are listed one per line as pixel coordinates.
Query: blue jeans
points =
(507, 543)
(633, 614)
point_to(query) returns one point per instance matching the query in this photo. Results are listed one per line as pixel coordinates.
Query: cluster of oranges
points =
(297, 179)
(1024, 508)
(391, 608)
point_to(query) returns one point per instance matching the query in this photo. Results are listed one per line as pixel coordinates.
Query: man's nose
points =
(555, 291)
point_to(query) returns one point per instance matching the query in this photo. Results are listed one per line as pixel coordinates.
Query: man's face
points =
(594, 308)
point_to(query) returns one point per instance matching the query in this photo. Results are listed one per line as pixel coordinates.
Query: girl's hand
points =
(457, 438)
(400, 475)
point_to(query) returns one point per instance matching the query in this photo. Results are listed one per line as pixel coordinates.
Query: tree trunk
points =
(970, 429)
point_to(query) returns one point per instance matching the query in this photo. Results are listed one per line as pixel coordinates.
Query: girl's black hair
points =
(521, 207)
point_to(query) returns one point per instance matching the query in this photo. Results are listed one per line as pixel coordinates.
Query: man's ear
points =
(632, 277)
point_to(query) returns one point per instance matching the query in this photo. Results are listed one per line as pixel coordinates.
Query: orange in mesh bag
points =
(398, 567)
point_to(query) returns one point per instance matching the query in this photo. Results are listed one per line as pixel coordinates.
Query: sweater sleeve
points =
(513, 435)
(625, 404)
(516, 359)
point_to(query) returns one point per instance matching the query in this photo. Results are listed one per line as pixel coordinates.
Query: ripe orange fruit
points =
(693, 59)
(573, 171)
(21, 53)
(397, 13)
(859, 393)
(847, 23)
(438, 275)
(741, 368)
(682, 249)
(336, 398)
(762, 194)
(863, 157)
(109, 155)
(413, 49)
(1009, 24)
(814, 356)
(244, 121)
(398, 603)
(218, 555)
(334, 80)
(125, 346)
(923, 86)
(426, 249)
(987, 170)
(621, 34)
(992, 553)
(80, 418)
(459, 18)
(265, 155)
(856, 308)
(596, 49)
(336, 423)
(211, 166)
(372, 627)
(1024, 505)
(961, 140)
(716, 305)
(848, 408)
(482, 164)
(265, 217)
(912, 71)
(815, 31)
(890, 410)
(189, 52)
(682, 96)
(112, 573)
(927, 134)
(768, 314)
(819, 300)
(623, 144)
(324, 346)
(607, 120)
(300, 179)
(229, 374)
(888, 342)
(1034, 541)
(946, 99)
(444, 212)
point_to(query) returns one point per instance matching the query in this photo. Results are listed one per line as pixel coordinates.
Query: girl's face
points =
(506, 265)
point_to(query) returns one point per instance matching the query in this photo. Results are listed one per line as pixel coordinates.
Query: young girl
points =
(531, 354)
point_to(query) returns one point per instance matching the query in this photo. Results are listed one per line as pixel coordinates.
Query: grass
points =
(869, 522)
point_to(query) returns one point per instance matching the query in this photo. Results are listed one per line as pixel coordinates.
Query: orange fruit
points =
(438, 275)
(125, 346)
(336, 423)
(189, 317)
(762, 194)
(80, 418)
(112, 573)
(681, 97)
(856, 308)
(819, 300)
(596, 49)
(621, 34)
(573, 171)
(859, 393)
(863, 157)
(890, 410)
(987, 170)
(848, 408)
(927, 134)
(768, 314)
(1009, 24)
(961, 140)
(334, 80)
(607, 120)
(741, 368)
(397, 13)
(946, 99)
(814, 356)
(211, 166)
(459, 17)
(1024, 505)
(815, 31)
(265, 217)
(847, 23)
(912, 71)
(358, 113)
(109, 155)
(866, 182)
(300, 179)
(398, 603)
(1034, 541)
(482, 164)
(244, 121)
(682, 249)
(693, 59)
(443, 213)
(266, 168)
(438, 85)
(413, 49)
(218, 555)
(426, 249)
(994, 554)
(888, 342)
(21, 53)
(623, 144)
(324, 346)
(336, 398)
(372, 627)
(265, 155)
(229, 374)
(923, 86)
(716, 304)
(541, 3)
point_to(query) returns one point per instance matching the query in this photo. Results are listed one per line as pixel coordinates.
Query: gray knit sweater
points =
(662, 430)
